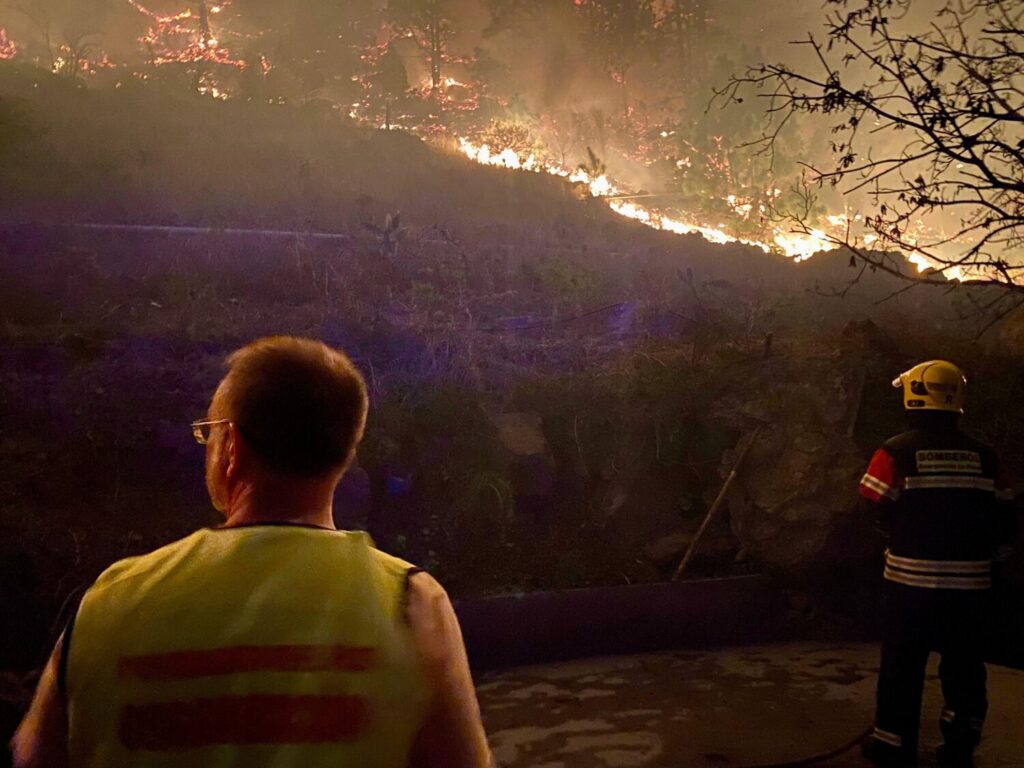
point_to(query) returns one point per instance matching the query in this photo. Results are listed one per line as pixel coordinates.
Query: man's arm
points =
(42, 738)
(453, 734)
(880, 487)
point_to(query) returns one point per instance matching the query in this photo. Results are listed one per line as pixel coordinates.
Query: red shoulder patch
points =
(882, 481)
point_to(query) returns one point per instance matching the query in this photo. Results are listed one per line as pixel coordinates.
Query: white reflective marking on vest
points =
(967, 462)
(949, 481)
(938, 566)
(938, 582)
(888, 737)
(948, 716)
(876, 485)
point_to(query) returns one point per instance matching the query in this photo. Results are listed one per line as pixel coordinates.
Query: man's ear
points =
(234, 450)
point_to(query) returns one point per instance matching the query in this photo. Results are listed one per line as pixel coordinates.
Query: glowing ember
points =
(8, 50)
(181, 38)
(451, 82)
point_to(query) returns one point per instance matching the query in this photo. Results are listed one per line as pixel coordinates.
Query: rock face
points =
(716, 548)
(799, 487)
(668, 550)
(1011, 333)
(795, 506)
(531, 459)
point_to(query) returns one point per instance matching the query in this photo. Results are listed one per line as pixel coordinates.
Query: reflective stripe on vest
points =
(270, 645)
(938, 574)
(949, 481)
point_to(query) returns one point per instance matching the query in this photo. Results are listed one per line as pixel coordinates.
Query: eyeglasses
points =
(201, 429)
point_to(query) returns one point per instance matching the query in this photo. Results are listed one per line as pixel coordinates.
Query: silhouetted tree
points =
(432, 24)
(681, 24)
(949, 88)
(618, 31)
(313, 45)
(392, 81)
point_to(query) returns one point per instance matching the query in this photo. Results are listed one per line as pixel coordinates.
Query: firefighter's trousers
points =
(917, 621)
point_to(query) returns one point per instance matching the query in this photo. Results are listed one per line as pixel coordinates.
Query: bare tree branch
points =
(954, 90)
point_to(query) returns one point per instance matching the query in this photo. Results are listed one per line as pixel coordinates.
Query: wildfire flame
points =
(8, 49)
(795, 245)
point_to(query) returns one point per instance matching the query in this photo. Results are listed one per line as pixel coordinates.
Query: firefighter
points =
(943, 502)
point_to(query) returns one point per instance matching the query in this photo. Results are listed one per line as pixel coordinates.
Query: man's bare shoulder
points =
(427, 587)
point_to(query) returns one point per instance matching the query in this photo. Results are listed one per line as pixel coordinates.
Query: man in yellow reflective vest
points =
(273, 640)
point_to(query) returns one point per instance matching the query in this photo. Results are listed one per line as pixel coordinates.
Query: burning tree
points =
(392, 81)
(430, 23)
(430, 106)
(68, 31)
(950, 90)
(186, 39)
(500, 135)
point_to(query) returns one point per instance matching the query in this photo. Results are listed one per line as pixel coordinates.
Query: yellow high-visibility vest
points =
(263, 646)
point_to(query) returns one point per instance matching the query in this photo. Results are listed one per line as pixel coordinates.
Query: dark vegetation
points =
(556, 391)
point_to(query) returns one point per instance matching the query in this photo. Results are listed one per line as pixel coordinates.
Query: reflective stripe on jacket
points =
(938, 574)
(257, 646)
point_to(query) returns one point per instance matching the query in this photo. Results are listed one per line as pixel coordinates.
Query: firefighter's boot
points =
(955, 755)
(959, 740)
(886, 755)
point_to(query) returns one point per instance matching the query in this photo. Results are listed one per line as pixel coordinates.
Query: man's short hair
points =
(298, 403)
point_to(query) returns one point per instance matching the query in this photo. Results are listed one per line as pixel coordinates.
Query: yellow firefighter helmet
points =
(936, 385)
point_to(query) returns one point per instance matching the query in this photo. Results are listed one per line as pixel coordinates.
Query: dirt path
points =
(734, 707)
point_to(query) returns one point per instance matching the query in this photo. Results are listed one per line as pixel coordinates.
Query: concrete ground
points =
(759, 705)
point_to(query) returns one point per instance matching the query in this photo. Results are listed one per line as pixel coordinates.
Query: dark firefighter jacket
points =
(945, 505)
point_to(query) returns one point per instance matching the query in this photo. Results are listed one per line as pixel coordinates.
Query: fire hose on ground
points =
(810, 759)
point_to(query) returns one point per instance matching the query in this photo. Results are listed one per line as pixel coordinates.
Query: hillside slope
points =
(143, 154)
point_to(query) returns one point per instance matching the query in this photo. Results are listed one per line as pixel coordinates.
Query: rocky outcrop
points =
(715, 553)
(798, 488)
(531, 460)
(1010, 336)
(794, 507)
(668, 550)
